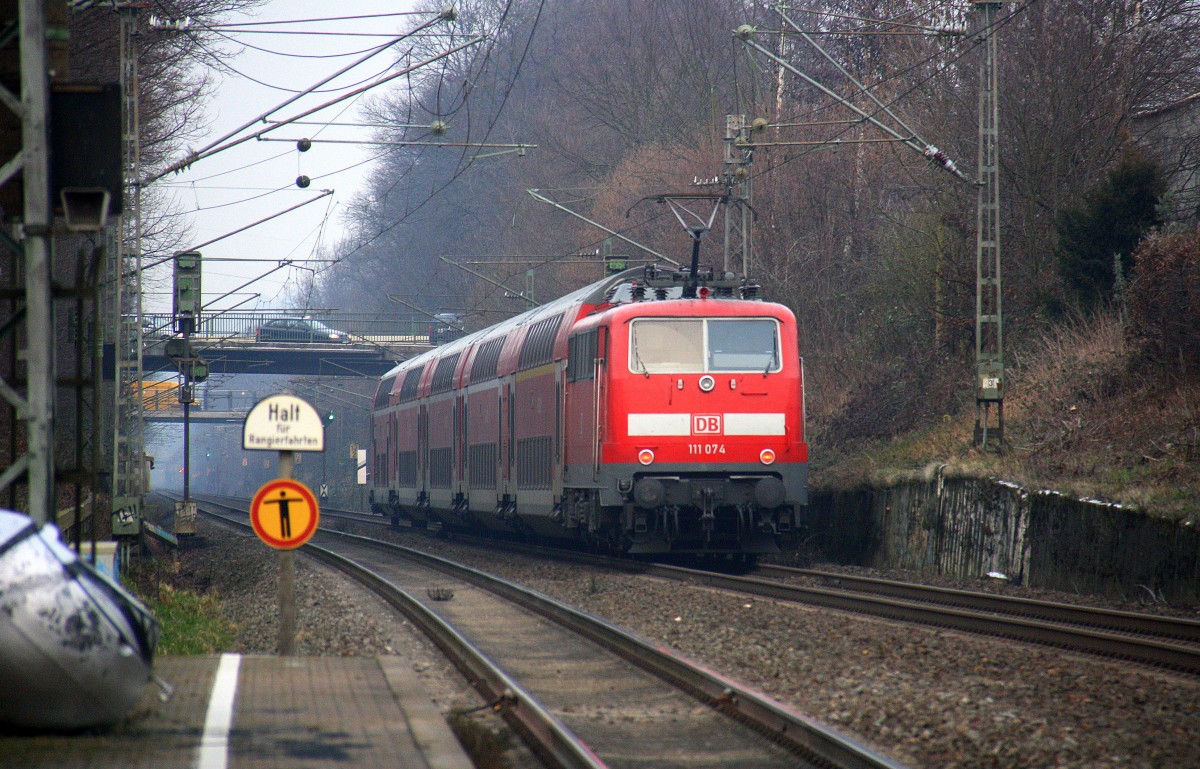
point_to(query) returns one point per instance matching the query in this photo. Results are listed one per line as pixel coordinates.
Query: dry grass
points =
(1086, 414)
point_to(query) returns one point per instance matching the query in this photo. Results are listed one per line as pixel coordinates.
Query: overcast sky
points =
(257, 179)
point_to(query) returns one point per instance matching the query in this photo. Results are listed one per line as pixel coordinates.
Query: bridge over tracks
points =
(232, 344)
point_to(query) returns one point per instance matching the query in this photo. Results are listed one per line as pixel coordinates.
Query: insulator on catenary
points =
(939, 157)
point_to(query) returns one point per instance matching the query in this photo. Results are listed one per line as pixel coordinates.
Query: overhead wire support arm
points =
(915, 29)
(216, 147)
(411, 306)
(826, 142)
(400, 143)
(443, 16)
(746, 33)
(324, 194)
(203, 151)
(485, 278)
(536, 194)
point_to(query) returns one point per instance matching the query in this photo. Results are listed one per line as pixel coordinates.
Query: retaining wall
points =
(968, 527)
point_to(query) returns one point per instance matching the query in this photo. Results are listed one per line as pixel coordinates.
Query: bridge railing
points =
(163, 396)
(242, 324)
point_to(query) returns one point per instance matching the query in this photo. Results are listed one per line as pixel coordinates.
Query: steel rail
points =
(545, 734)
(767, 716)
(1096, 631)
(796, 732)
(1081, 628)
(1109, 619)
(1185, 659)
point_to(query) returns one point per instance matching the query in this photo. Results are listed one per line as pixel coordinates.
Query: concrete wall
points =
(968, 527)
(1171, 133)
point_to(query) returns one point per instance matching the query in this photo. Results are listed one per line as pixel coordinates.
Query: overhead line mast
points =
(37, 407)
(739, 154)
(989, 318)
(129, 484)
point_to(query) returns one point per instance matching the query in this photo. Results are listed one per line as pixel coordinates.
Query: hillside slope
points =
(1087, 413)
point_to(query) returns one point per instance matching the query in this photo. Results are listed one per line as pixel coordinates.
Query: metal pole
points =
(989, 317)
(187, 442)
(287, 577)
(738, 156)
(39, 303)
(128, 413)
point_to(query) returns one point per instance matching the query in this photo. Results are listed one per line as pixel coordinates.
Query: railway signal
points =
(187, 291)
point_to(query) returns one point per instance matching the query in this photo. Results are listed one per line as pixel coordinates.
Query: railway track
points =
(1148, 625)
(1149, 639)
(1160, 641)
(582, 692)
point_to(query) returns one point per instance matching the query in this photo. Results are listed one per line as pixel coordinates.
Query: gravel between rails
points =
(926, 697)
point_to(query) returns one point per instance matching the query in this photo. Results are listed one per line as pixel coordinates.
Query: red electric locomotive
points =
(651, 412)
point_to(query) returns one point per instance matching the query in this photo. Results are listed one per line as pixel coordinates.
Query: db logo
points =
(706, 424)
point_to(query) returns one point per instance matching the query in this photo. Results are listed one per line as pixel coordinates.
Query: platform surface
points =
(286, 713)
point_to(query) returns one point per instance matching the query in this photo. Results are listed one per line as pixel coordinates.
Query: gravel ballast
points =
(927, 697)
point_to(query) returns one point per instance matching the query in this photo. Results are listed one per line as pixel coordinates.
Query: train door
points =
(383, 473)
(459, 442)
(509, 451)
(422, 451)
(600, 407)
(560, 421)
(502, 429)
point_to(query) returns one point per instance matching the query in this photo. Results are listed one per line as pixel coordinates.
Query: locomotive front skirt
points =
(648, 413)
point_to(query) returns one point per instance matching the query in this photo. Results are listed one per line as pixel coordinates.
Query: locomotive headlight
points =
(767, 456)
(645, 456)
(707, 383)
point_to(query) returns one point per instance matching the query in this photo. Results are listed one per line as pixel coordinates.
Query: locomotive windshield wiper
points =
(637, 357)
(771, 363)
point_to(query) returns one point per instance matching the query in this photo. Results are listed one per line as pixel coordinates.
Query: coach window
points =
(582, 351)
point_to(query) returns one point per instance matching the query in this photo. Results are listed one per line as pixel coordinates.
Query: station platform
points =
(258, 712)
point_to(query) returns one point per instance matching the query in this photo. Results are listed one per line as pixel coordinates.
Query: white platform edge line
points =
(214, 742)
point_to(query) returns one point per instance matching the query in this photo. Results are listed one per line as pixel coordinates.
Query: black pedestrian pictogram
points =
(285, 521)
(298, 518)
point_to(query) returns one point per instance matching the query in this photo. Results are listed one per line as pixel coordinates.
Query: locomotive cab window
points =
(743, 345)
(699, 345)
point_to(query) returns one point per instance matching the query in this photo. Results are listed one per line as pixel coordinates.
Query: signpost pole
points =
(284, 423)
(287, 577)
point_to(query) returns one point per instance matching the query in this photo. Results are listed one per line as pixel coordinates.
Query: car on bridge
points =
(447, 327)
(299, 330)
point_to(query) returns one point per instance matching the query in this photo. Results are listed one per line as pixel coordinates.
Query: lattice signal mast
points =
(129, 480)
(989, 317)
(739, 154)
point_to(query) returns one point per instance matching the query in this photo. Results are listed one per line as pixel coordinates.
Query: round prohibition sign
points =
(284, 513)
